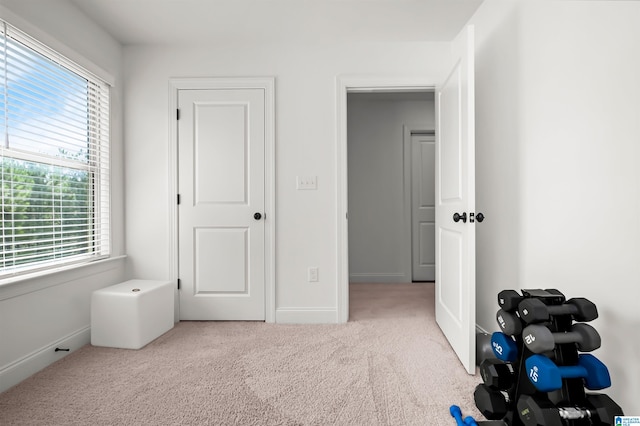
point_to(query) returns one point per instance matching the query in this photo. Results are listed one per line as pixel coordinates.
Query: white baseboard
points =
(14, 373)
(374, 277)
(306, 316)
(481, 330)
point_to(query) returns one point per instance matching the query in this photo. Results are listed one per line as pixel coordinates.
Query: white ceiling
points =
(238, 21)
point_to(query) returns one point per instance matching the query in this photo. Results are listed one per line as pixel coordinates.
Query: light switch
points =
(306, 182)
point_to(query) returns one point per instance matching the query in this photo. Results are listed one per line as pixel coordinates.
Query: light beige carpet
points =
(389, 365)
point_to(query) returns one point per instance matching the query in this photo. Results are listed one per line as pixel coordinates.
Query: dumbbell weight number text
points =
(533, 374)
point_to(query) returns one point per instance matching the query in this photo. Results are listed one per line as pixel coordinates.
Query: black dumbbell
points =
(603, 409)
(534, 310)
(541, 412)
(509, 322)
(509, 300)
(539, 338)
(599, 410)
(492, 403)
(538, 412)
(497, 374)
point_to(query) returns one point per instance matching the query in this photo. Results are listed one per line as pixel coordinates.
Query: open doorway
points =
(390, 162)
(455, 283)
(347, 86)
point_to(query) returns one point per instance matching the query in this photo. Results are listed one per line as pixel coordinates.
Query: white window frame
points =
(97, 166)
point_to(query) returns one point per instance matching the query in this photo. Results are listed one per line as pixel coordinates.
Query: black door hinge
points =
(179, 283)
(178, 198)
(177, 114)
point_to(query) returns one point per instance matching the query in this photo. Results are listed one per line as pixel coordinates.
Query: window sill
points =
(28, 283)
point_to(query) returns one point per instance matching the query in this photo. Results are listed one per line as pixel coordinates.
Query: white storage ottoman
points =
(131, 314)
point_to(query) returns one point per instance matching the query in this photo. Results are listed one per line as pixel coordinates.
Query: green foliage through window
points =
(46, 212)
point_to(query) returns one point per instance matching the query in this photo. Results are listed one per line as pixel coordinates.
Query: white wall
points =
(558, 178)
(38, 314)
(306, 73)
(379, 234)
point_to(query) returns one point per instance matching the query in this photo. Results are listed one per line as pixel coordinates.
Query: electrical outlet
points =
(306, 182)
(312, 274)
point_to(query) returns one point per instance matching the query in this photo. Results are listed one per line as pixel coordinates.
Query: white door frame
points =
(268, 85)
(350, 85)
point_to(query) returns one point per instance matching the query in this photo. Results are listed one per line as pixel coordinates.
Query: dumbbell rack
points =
(521, 394)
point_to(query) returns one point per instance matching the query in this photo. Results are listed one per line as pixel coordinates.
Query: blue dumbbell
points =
(456, 412)
(504, 348)
(546, 376)
(470, 421)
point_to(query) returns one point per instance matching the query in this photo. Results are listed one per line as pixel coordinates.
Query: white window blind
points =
(54, 154)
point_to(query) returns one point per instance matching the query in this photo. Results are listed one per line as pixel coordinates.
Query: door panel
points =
(455, 193)
(221, 260)
(220, 128)
(221, 149)
(423, 152)
(449, 99)
(450, 290)
(428, 246)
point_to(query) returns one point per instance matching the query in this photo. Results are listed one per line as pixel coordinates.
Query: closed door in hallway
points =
(423, 211)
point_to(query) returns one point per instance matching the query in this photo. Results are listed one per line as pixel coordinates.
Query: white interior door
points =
(455, 193)
(423, 212)
(221, 175)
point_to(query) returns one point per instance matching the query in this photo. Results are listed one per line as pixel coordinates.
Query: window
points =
(54, 157)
